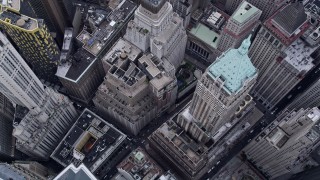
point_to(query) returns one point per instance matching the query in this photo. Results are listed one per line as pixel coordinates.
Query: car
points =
(218, 162)
(249, 140)
(251, 131)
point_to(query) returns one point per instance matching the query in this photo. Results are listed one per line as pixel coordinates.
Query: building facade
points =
(33, 39)
(281, 56)
(219, 93)
(283, 146)
(6, 120)
(242, 22)
(20, 170)
(156, 28)
(308, 99)
(49, 114)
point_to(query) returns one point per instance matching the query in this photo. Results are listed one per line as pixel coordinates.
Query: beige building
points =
(136, 89)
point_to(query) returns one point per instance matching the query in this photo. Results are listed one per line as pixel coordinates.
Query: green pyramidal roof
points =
(234, 67)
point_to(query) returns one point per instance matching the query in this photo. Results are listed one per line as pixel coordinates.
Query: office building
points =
(48, 115)
(139, 165)
(21, 170)
(54, 15)
(282, 147)
(80, 70)
(136, 89)
(219, 93)
(217, 100)
(168, 175)
(72, 172)
(185, 155)
(7, 142)
(281, 56)
(204, 34)
(156, 28)
(308, 99)
(268, 7)
(93, 142)
(184, 9)
(80, 73)
(33, 39)
(242, 22)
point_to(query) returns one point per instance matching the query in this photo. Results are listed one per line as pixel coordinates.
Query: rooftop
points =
(234, 67)
(168, 176)
(10, 4)
(244, 12)
(206, 35)
(91, 141)
(288, 24)
(124, 49)
(153, 6)
(194, 152)
(290, 18)
(298, 55)
(75, 66)
(140, 166)
(21, 21)
(7, 172)
(106, 23)
(75, 173)
(155, 72)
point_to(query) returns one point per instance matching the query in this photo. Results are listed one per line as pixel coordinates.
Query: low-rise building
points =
(138, 165)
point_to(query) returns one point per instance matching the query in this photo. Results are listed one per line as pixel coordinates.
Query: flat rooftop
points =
(124, 49)
(107, 22)
(244, 12)
(75, 66)
(206, 35)
(18, 20)
(75, 173)
(298, 55)
(91, 141)
(140, 165)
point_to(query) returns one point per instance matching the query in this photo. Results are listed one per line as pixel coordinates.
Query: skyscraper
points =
(53, 14)
(219, 93)
(49, 113)
(308, 99)
(136, 89)
(283, 146)
(6, 121)
(33, 40)
(239, 26)
(268, 7)
(157, 27)
(186, 143)
(281, 56)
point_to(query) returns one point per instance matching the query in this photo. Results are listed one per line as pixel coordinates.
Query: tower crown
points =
(234, 68)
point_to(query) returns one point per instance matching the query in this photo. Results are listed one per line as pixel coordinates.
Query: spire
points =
(243, 49)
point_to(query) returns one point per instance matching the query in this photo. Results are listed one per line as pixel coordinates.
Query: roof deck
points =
(10, 4)
(244, 12)
(206, 35)
(21, 21)
(90, 141)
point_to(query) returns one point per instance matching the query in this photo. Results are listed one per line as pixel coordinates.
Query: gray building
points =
(242, 22)
(46, 114)
(21, 170)
(72, 172)
(7, 142)
(80, 70)
(279, 54)
(268, 7)
(282, 147)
